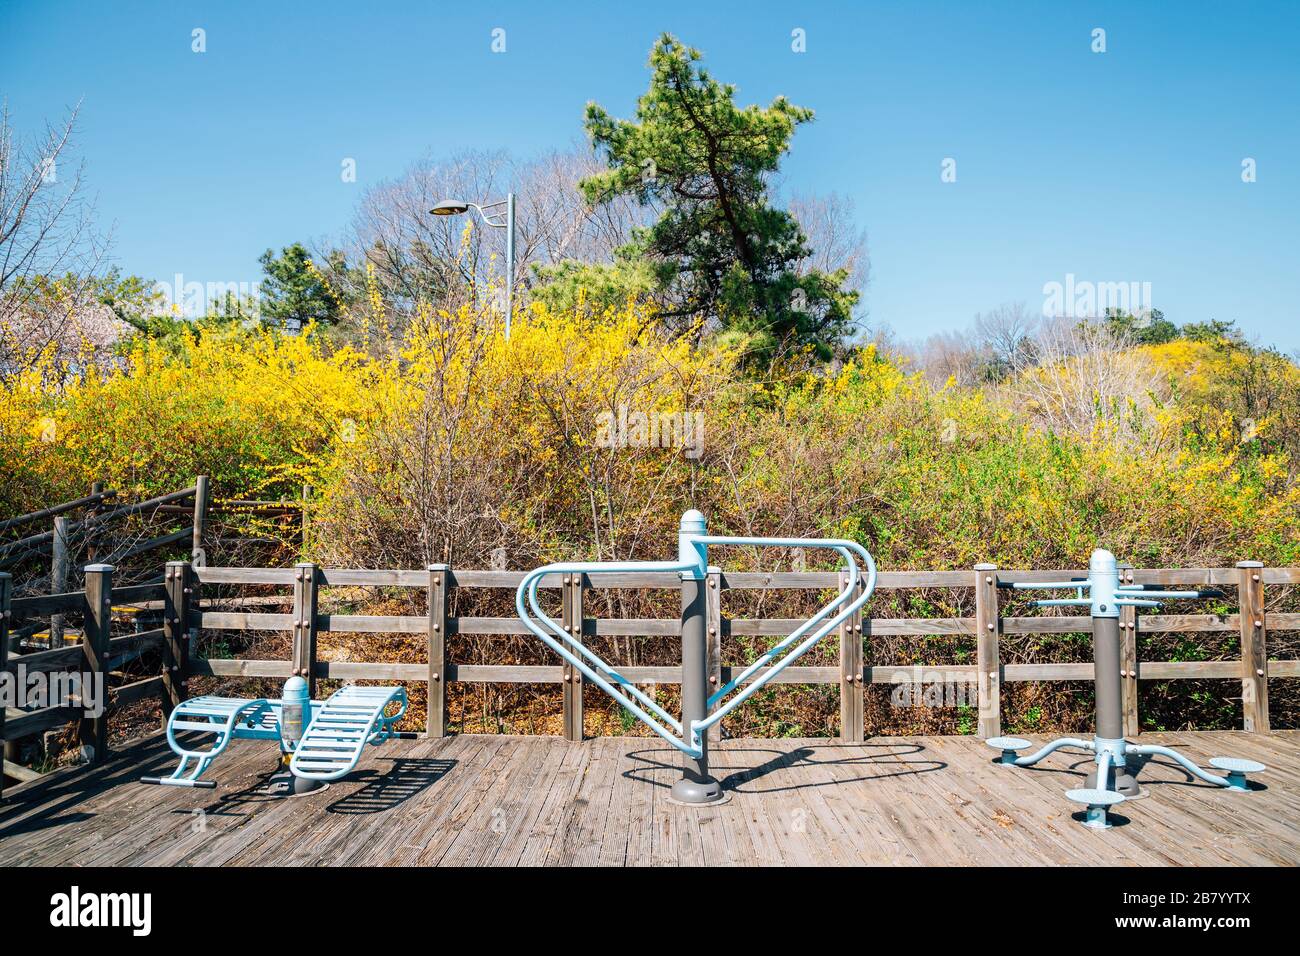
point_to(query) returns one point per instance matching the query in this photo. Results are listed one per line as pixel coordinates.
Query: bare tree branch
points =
(48, 256)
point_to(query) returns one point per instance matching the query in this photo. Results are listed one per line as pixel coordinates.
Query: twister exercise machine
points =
(1112, 783)
(700, 709)
(319, 740)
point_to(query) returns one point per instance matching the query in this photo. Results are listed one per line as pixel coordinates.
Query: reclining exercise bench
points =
(319, 740)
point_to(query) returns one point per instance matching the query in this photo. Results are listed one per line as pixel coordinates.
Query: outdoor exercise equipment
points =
(319, 740)
(700, 709)
(1112, 783)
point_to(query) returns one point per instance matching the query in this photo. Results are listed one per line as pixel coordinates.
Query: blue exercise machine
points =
(319, 741)
(1112, 783)
(700, 709)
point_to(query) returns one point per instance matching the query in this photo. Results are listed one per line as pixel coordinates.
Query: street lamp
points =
(456, 207)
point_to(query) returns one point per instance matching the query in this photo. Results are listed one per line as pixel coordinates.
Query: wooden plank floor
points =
(540, 801)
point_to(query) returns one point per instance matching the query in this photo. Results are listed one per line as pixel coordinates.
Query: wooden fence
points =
(98, 656)
(183, 617)
(989, 673)
(92, 538)
(98, 516)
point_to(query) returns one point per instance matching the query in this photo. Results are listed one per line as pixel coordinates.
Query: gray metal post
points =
(696, 785)
(1109, 691)
(1105, 650)
(1103, 575)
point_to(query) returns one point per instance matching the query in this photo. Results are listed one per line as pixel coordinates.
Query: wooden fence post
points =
(987, 657)
(6, 614)
(852, 706)
(713, 645)
(177, 593)
(571, 602)
(198, 556)
(1128, 659)
(435, 724)
(1254, 647)
(92, 733)
(198, 552)
(96, 488)
(58, 576)
(304, 623)
(11, 748)
(302, 517)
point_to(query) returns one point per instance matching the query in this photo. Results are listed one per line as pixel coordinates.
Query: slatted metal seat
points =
(341, 728)
(222, 717)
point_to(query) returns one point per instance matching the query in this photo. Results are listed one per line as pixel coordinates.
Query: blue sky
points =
(1122, 166)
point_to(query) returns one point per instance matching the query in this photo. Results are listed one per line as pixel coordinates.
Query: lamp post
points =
(456, 207)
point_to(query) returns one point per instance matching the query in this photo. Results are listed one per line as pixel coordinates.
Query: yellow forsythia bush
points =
(255, 410)
(450, 441)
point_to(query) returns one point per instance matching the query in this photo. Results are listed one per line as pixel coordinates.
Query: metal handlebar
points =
(528, 588)
(693, 563)
(847, 549)
(1105, 594)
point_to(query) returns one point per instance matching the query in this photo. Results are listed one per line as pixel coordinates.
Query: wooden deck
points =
(528, 801)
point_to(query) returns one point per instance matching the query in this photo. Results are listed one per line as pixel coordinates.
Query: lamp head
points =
(450, 207)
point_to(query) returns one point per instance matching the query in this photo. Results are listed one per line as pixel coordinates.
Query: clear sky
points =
(1122, 166)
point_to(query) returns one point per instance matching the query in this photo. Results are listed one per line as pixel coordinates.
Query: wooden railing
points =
(183, 617)
(193, 507)
(987, 625)
(97, 518)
